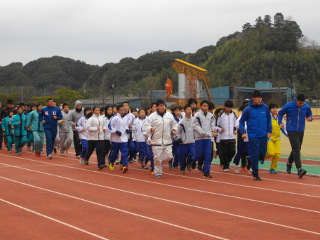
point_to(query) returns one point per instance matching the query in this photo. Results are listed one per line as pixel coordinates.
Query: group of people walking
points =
(187, 137)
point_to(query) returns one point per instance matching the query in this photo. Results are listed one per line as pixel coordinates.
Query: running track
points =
(61, 199)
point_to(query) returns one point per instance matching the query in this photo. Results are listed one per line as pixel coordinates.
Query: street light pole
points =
(112, 93)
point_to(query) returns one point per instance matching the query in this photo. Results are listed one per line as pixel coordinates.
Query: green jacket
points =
(33, 121)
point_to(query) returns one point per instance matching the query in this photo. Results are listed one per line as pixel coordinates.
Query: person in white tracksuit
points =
(161, 125)
(83, 133)
(96, 130)
(119, 127)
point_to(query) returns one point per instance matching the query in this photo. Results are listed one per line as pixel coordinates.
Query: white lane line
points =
(198, 179)
(117, 209)
(222, 173)
(170, 201)
(183, 188)
(53, 219)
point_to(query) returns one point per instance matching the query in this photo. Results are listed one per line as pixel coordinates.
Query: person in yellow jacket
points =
(273, 147)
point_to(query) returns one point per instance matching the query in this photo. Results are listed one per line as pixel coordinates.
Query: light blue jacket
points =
(19, 129)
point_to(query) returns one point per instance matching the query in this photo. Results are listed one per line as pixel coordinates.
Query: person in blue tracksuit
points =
(49, 117)
(259, 129)
(203, 125)
(176, 112)
(186, 148)
(297, 113)
(20, 133)
(7, 128)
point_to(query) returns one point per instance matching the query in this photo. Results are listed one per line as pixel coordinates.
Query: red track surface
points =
(61, 199)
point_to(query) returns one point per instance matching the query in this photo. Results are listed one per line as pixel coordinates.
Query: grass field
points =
(310, 146)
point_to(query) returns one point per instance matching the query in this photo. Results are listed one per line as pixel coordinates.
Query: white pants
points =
(161, 153)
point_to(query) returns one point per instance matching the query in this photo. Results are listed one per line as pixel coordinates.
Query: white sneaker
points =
(81, 160)
(250, 171)
(226, 170)
(236, 168)
(49, 156)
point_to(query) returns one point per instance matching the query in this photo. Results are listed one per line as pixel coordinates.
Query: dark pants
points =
(175, 154)
(123, 147)
(186, 154)
(258, 148)
(77, 143)
(50, 137)
(150, 157)
(1, 137)
(243, 150)
(98, 145)
(106, 148)
(203, 150)
(296, 139)
(228, 148)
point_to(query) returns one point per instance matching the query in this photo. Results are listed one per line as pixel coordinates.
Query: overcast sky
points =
(101, 31)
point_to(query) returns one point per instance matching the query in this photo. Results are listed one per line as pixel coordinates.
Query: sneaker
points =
(288, 165)
(207, 175)
(77, 156)
(250, 171)
(183, 171)
(193, 165)
(18, 153)
(111, 166)
(117, 162)
(189, 168)
(55, 150)
(200, 168)
(272, 171)
(81, 160)
(236, 168)
(145, 167)
(125, 169)
(244, 168)
(170, 165)
(100, 167)
(36, 153)
(257, 178)
(226, 170)
(63, 154)
(175, 167)
(49, 156)
(301, 172)
(86, 162)
(158, 176)
(104, 165)
(261, 161)
(121, 166)
(152, 172)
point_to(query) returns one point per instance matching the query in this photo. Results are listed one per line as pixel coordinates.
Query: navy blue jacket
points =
(258, 120)
(47, 115)
(296, 117)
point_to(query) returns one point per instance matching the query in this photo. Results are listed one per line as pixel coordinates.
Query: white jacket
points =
(92, 128)
(137, 130)
(163, 125)
(107, 134)
(245, 128)
(203, 125)
(228, 122)
(82, 125)
(121, 124)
